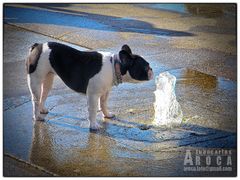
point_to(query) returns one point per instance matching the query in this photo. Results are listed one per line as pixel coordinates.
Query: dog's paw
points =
(95, 126)
(44, 111)
(38, 118)
(110, 116)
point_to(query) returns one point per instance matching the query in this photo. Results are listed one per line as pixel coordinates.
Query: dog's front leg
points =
(92, 110)
(103, 104)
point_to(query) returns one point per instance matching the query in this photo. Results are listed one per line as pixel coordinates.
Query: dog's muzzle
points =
(150, 74)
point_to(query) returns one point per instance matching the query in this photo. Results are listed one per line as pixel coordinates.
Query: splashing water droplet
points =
(167, 109)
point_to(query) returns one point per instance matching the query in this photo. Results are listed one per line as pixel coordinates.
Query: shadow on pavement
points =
(83, 20)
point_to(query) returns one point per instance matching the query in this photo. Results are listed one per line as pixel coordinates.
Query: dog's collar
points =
(116, 66)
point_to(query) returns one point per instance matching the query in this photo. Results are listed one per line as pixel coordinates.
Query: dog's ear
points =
(125, 58)
(127, 49)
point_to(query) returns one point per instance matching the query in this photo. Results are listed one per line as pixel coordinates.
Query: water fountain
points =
(167, 109)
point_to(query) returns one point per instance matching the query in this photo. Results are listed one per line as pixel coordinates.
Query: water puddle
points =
(207, 83)
(213, 100)
(191, 76)
(204, 9)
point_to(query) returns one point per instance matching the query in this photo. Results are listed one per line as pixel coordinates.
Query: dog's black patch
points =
(134, 64)
(126, 61)
(33, 46)
(74, 67)
(126, 48)
(33, 57)
(139, 69)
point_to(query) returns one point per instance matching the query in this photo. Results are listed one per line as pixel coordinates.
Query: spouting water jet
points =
(167, 109)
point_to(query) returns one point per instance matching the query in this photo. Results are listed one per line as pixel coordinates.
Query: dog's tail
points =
(34, 54)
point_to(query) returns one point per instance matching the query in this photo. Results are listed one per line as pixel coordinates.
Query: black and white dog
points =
(89, 72)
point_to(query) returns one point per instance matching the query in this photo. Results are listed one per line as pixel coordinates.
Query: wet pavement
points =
(64, 145)
(14, 168)
(128, 145)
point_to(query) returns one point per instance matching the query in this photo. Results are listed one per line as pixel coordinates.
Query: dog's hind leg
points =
(45, 88)
(34, 84)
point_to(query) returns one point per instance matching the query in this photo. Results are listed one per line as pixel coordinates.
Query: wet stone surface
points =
(64, 145)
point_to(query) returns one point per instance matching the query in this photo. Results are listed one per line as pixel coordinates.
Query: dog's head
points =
(134, 68)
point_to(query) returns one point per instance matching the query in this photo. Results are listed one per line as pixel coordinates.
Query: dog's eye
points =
(147, 68)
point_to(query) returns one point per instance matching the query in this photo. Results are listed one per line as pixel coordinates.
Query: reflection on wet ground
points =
(71, 151)
(202, 80)
(204, 10)
(212, 10)
(64, 145)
